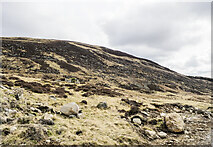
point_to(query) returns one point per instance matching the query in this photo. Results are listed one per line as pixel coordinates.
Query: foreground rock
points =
(174, 122)
(70, 109)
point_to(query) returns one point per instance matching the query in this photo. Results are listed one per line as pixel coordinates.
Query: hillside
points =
(51, 73)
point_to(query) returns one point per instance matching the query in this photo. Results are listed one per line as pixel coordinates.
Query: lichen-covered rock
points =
(174, 122)
(70, 109)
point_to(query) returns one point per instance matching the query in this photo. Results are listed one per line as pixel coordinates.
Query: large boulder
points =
(70, 109)
(174, 122)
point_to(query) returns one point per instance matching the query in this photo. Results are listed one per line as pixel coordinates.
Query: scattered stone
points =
(138, 120)
(174, 122)
(48, 116)
(70, 109)
(10, 111)
(35, 110)
(78, 132)
(47, 119)
(13, 129)
(72, 116)
(2, 87)
(144, 113)
(52, 97)
(102, 105)
(84, 102)
(162, 134)
(151, 134)
(163, 114)
(48, 141)
(24, 120)
(18, 93)
(3, 120)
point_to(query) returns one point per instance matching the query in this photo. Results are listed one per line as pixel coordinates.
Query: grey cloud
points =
(158, 26)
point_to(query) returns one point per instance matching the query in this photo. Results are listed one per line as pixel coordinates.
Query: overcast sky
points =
(175, 35)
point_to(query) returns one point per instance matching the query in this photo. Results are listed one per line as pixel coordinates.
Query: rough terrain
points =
(118, 99)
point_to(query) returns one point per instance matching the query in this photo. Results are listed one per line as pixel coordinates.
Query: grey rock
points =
(2, 87)
(53, 97)
(70, 109)
(13, 129)
(47, 119)
(137, 121)
(48, 116)
(162, 134)
(151, 134)
(35, 110)
(102, 105)
(174, 122)
(3, 120)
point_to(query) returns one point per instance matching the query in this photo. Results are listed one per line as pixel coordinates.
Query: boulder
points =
(70, 109)
(162, 134)
(174, 122)
(102, 105)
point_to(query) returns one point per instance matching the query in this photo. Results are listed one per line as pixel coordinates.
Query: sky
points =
(174, 34)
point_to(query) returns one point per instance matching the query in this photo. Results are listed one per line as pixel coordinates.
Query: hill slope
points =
(123, 99)
(65, 57)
